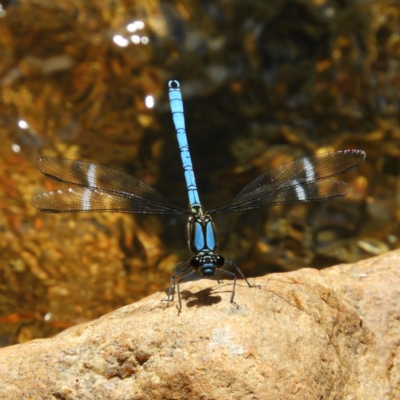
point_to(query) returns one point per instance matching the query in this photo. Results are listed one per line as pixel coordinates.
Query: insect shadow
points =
(201, 298)
(208, 296)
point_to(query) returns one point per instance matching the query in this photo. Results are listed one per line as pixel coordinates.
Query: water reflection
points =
(121, 39)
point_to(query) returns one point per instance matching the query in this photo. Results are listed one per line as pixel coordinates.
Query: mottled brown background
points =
(262, 82)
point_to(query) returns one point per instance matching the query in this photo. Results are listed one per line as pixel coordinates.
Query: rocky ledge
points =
(331, 334)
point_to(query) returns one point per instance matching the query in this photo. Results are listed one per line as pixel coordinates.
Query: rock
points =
(309, 334)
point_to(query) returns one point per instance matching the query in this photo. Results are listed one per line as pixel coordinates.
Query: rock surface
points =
(331, 334)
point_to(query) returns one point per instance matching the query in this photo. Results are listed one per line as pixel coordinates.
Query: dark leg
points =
(172, 281)
(241, 273)
(176, 269)
(233, 275)
(183, 279)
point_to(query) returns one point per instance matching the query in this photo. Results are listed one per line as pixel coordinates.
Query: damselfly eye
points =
(220, 261)
(195, 262)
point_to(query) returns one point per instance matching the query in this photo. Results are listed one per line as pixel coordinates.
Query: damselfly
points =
(99, 188)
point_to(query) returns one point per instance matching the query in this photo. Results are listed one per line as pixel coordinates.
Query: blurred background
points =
(263, 83)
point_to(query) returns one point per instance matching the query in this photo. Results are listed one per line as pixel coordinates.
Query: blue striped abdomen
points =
(175, 98)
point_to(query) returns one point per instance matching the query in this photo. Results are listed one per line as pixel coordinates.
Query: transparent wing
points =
(98, 188)
(302, 180)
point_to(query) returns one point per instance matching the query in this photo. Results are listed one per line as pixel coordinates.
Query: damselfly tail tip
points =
(173, 84)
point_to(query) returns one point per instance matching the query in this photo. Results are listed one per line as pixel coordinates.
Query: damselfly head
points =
(207, 265)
